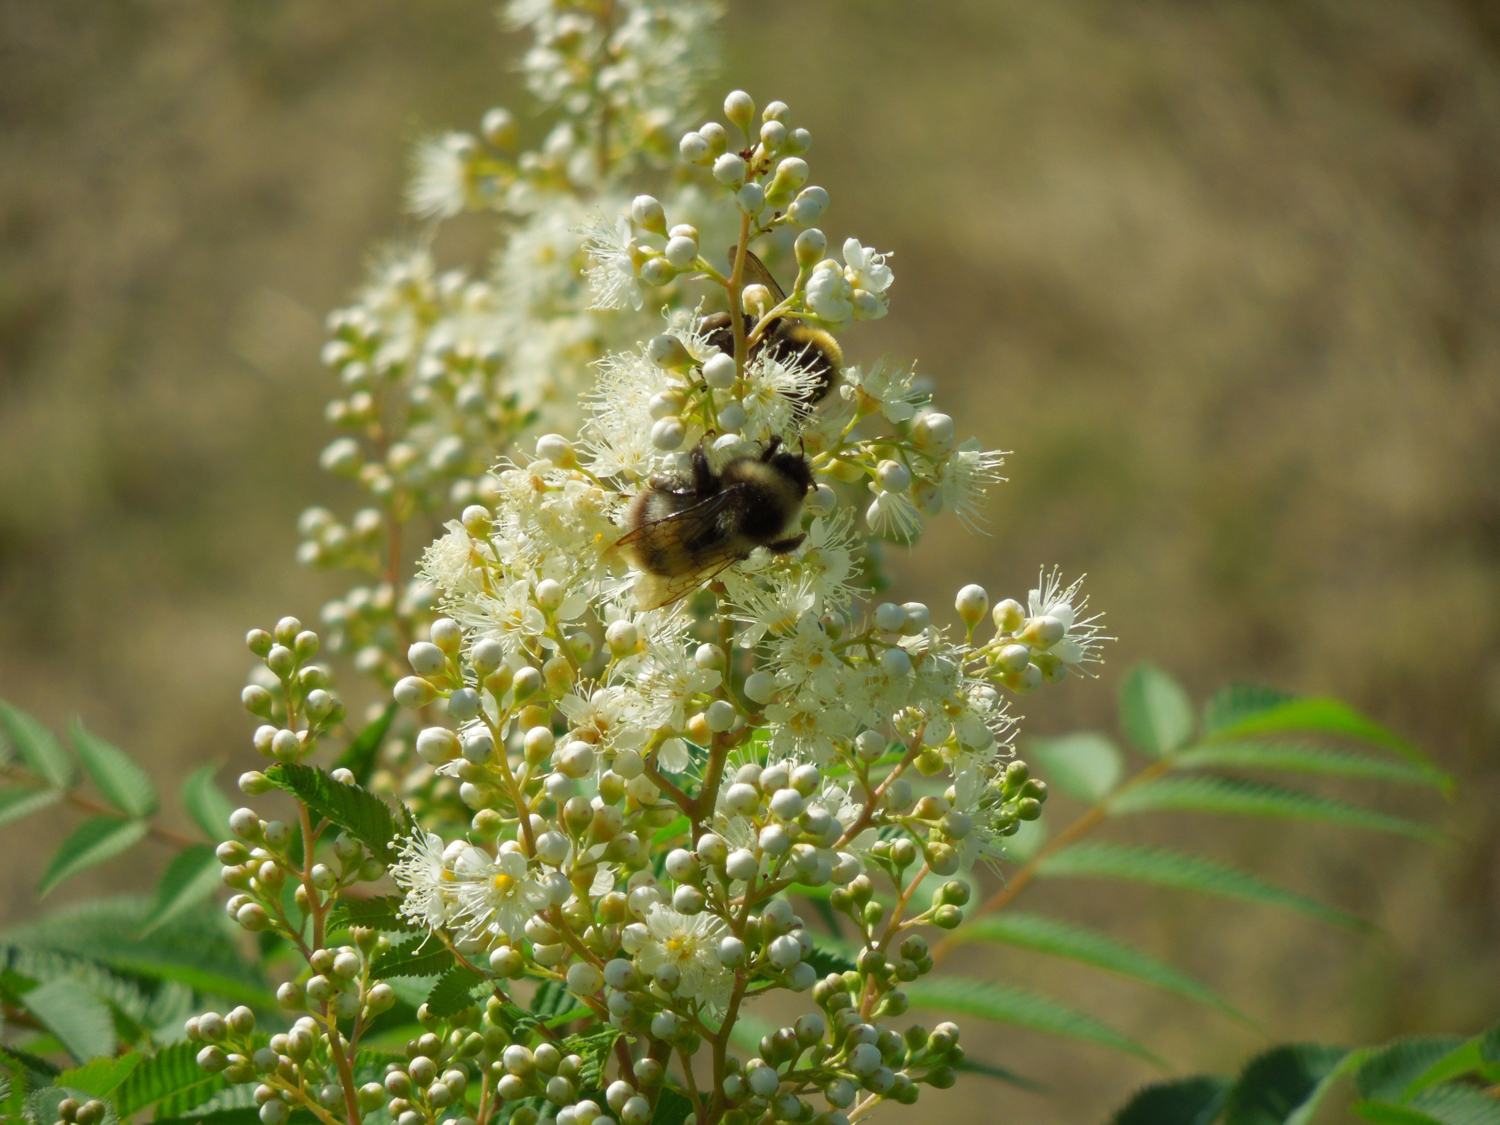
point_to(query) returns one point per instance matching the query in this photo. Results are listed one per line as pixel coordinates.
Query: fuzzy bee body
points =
(684, 529)
(791, 342)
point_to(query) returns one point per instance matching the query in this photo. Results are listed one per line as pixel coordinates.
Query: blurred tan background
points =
(1223, 276)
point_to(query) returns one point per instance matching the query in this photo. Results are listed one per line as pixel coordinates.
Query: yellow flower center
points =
(502, 883)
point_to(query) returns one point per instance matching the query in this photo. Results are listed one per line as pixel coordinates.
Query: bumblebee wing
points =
(652, 591)
(695, 524)
(757, 274)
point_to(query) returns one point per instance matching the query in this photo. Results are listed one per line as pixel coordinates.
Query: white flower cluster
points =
(671, 702)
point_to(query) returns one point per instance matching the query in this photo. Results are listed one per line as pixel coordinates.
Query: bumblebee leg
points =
(786, 546)
(704, 481)
(770, 450)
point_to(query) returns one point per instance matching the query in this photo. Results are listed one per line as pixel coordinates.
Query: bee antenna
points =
(771, 447)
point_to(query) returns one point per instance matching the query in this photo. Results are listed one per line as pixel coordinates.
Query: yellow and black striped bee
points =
(790, 341)
(683, 529)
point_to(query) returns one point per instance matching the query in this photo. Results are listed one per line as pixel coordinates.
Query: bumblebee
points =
(790, 341)
(682, 529)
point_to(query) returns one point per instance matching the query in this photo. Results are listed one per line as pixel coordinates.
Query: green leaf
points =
(102, 1076)
(1230, 705)
(421, 957)
(1278, 1083)
(1300, 759)
(827, 958)
(359, 756)
(1187, 1101)
(671, 1108)
(1001, 1074)
(124, 784)
(1390, 1071)
(1154, 711)
(357, 811)
(38, 747)
(1235, 797)
(381, 913)
(594, 1048)
(1005, 1004)
(1046, 935)
(1326, 715)
(1085, 765)
(17, 801)
(197, 948)
(192, 876)
(1466, 1058)
(1489, 1044)
(172, 1070)
(42, 1072)
(92, 842)
(1448, 1104)
(80, 1020)
(42, 1105)
(206, 803)
(1161, 868)
(454, 991)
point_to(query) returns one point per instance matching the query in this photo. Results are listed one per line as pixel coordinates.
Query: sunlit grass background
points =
(1222, 276)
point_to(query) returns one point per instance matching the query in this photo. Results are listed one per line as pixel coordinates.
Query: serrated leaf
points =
(101, 1076)
(17, 801)
(381, 913)
(207, 804)
(1231, 796)
(1086, 765)
(359, 756)
(827, 957)
(38, 747)
(1188, 1101)
(92, 842)
(594, 1048)
(193, 875)
(1466, 1058)
(1155, 711)
(81, 1021)
(1448, 1104)
(453, 992)
(197, 948)
(1161, 868)
(43, 1072)
(123, 783)
(357, 811)
(421, 957)
(1061, 939)
(1229, 705)
(1005, 1004)
(1001, 1074)
(671, 1108)
(1300, 759)
(1280, 1082)
(1326, 715)
(172, 1070)
(1389, 1071)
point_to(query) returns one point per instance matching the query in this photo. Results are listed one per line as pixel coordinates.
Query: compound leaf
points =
(80, 1020)
(1276, 1085)
(1155, 711)
(123, 783)
(1188, 1101)
(207, 804)
(454, 991)
(92, 842)
(1295, 758)
(1086, 765)
(17, 801)
(356, 810)
(38, 747)
(1388, 1073)
(192, 876)
(421, 957)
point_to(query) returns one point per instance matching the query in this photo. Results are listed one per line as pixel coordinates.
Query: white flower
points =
(829, 294)
(454, 563)
(892, 515)
(673, 756)
(688, 942)
(806, 725)
(612, 273)
(496, 896)
(774, 608)
(440, 182)
(668, 681)
(869, 278)
(889, 386)
(826, 557)
(976, 798)
(509, 616)
(428, 886)
(808, 658)
(1081, 637)
(963, 477)
(609, 719)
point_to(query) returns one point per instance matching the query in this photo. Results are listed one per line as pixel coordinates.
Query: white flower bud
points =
(646, 212)
(739, 107)
(809, 247)
(425, 658)
(1009, 615)
(463, 704)
(773, 135)
(657, 271)
(584, 978)
(895, 662)
(628, 764)
(718, 371)
(622, 637)
(552, 848)
(918, 617)
(576, 759)
(933, 431)
(731, 952)
(787, 804)
(741, 864)
(555, 448)
(681, 252)
(668, 433)
(742, 798)
(1043, 632)
(760, 687)
(447, 634)
(732, 417)
(893, 476)
(693, 148)
(764, 1081)
(889, 617)
(972, 603)
(773, 840)
(785, 951)
(479, 745)
(729, 170)
(550, 594)
(809, 205)
(751, 199)
(1014, 658)
(709, 657)
(487, 655)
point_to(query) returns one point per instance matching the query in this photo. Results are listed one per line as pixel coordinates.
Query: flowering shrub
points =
(645, 695)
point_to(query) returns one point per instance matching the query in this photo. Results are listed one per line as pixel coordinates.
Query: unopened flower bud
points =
(646, 212)
(729, 169)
